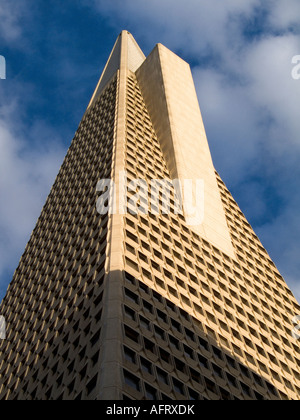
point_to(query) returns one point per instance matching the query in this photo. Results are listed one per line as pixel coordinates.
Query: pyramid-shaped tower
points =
(122, 293)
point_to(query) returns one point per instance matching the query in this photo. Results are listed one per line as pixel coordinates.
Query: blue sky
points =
(241, 56)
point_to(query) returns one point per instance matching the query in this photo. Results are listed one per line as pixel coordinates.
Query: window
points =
(151, 393)
(149, 345)
(131, 296)
(130, 313)
(146, 366)
(129, 278)
(145, 323)
(157, 297)
(180, 365)
(147, 306)
(203, 361)
(129, 355)
(193, 395)
(195, 375)
(190, 334)
(225, 395)
(162, 376)
(245, 371)
(132, 381)
(131, 334)
(178, 386)
(188, 352)
(231, 362)
(203, 343)
(217, 352)
(162, 316)
(258, 380)
(165, 356)
(217, 370)
(246, 390)
(211, 386)
(159, 332)
(174, 342)
(232, 381)
(176, 325)
(171, 306)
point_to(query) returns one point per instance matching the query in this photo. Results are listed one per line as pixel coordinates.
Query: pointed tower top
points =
(126, 53)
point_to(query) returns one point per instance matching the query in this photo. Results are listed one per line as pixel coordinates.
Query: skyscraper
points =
(139, 298)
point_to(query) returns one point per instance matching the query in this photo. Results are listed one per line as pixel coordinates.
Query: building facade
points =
(134, 303)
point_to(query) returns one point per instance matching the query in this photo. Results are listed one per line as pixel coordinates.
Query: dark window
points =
(130, 313)
(146, 366)
(159, 332)
(95, 338)
(92, 384)
(245, 371)
(195, 375)
(174, 342)
(145, 323)
(203, 343)
(148, 307)
(130, 278)
(180, 365)
(231, 362)
(232, 381)
(246, 390)
(157, 297)
(149, 345)
(171, 306)
(162, 376)
(258, 380)
(162, 316)
(132, 381)
(258, 396)
(129, 355)
(131, 296)
(176, 325)
(131, 334)
(178, 386)
(165, 356)
(225, 395)
(217, 370)
(217, 352)
(190, 334)
(188, 352)
(151, 393)
(144, 288)
(193, 395)
(211, 386)
(203, 361)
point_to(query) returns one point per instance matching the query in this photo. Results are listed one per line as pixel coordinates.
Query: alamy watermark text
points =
(296, 330)
(159, 196)
(2, 67)
(296, 68)
(2, 328)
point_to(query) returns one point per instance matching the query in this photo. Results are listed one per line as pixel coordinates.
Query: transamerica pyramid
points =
(142, 279)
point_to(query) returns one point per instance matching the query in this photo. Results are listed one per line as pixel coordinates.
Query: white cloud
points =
(10, 14)
(269, 65)
(284, 14)
(195, 25)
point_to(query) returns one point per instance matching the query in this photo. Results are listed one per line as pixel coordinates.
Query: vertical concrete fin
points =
(168, 89)
(135, 58)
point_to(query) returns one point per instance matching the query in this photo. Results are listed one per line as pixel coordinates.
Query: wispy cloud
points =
(10, 15)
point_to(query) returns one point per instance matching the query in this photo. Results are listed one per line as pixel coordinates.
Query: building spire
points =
(132, 59)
